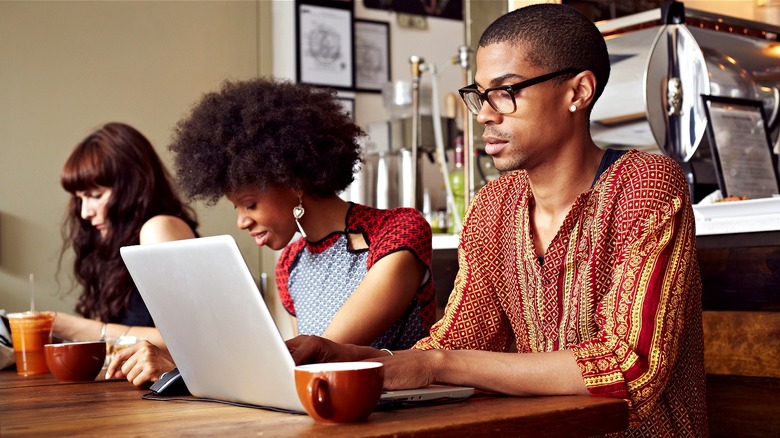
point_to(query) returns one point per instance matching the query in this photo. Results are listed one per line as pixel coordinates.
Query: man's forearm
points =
(553, 373)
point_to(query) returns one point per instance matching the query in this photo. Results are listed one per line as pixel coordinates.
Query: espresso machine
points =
(663, 61)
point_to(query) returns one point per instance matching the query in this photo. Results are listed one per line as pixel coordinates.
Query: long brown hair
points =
(119, 157)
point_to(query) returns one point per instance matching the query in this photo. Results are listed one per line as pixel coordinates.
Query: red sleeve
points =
(653, 297)
(403, 229)
(283, 268)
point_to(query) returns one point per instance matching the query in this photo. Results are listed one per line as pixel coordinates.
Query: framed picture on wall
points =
(452, 9)
(372, 55)
(741, 149)
(349, 105)
(323, 48)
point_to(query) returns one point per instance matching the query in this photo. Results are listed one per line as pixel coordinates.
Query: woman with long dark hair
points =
(121, 195)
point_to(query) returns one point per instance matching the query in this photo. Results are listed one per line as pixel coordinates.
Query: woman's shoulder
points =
(387, 231)
(164, 228)
(379, 220)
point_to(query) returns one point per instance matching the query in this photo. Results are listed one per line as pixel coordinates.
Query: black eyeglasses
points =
(502, 98)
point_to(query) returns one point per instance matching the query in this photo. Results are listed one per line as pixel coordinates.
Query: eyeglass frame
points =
(512, 89)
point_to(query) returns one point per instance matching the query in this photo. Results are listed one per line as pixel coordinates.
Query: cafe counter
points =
(738, 245)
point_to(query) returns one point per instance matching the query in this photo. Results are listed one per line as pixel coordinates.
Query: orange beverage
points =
(30, 331)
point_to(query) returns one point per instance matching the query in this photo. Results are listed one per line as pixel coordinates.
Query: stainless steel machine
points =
(663, 61)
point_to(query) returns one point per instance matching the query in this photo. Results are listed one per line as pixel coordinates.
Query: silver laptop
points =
(218, 329)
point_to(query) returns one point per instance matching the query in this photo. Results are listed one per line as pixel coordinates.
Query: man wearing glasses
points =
(577, 268)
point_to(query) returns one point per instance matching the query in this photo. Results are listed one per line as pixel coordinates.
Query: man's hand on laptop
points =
(409, 369)
(141, 364)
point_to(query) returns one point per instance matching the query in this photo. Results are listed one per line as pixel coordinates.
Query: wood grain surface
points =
(42, 407)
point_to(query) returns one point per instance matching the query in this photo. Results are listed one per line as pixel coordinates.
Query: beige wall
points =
(745, 9)
(67, 67)
(757, 10)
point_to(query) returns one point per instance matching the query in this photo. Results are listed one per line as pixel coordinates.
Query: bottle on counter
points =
(458, 186)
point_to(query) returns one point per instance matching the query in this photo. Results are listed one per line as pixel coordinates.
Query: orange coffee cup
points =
(30, 331)
(339, 392)
(75, 361)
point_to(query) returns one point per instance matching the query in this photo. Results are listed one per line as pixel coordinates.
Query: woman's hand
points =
(141, 364)
(315, 349)
(403, 370)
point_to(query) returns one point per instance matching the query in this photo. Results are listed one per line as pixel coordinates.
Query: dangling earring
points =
(298, 212)
(572, 108)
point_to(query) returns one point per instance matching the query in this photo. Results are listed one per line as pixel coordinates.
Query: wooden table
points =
(40, 406)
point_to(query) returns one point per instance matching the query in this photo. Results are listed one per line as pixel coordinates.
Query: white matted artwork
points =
(324, 46)
(372, 55)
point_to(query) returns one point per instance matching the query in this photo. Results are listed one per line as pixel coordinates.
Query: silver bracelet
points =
(388, 351)
(103, 332)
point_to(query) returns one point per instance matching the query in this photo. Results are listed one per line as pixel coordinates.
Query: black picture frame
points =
(372, 55)
(324, 43)
(745, 164)
(349, 105)
(451, 9)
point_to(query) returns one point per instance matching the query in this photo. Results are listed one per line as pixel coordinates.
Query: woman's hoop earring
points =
(572, 108)
(298, 213)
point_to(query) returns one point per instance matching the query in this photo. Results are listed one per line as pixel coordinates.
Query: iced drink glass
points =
(30, 331)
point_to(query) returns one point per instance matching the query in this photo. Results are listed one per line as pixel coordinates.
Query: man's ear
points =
(583, 89)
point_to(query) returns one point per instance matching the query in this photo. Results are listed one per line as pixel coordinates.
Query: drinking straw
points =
(32, 293)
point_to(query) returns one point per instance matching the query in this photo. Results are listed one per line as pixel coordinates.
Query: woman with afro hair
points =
(281, 153)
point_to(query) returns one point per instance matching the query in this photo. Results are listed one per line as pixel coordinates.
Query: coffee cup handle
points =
(318, 390)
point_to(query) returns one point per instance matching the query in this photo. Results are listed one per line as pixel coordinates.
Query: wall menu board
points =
(741, 148)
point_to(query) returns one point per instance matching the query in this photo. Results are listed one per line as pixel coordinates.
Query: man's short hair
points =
(556, 37)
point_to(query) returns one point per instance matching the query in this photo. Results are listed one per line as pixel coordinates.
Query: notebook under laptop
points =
(218, 329)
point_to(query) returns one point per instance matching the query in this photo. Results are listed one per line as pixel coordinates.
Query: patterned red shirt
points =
(619, 286)
(304, 267)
